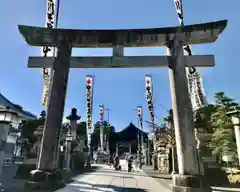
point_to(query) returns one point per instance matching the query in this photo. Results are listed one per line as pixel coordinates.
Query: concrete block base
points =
(48, 180)
(190, 183)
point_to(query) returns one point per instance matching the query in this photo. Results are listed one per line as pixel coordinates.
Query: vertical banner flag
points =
(197, 100)
(89, 97)
(141, 122)
(148, 86)
(101, 126)
(101, 113)
(140, 116)
(48, 51)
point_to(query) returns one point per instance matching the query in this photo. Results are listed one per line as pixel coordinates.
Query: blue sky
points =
(120, 90)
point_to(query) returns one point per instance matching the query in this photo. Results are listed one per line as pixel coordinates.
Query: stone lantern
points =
(37, 145)
(73, 118)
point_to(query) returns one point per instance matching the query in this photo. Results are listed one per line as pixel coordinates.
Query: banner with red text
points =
(101, 113)
(195, 86)
(149, 90)
(48, 51)
(140, 116)
(89, 101)
(101, 126)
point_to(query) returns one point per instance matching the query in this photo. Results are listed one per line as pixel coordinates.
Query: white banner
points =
(48, 51)
(140, 116)
(196, 92)
(140, 112)
(89, 98)
(101, 126)
(101, 113)
(178, 6)
(148, 87)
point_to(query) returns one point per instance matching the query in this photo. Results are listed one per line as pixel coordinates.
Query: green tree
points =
(203, 118)
(169, 117)
(228, 103)
(82, 129)
(27, 129)
(43, 114)
(108, 130)
(223, 140)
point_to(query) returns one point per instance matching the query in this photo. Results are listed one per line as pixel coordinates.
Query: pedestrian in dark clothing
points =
(111, 161)
(116, 162)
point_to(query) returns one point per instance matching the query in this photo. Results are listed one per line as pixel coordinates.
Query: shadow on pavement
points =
(11, 184)
(84, 186)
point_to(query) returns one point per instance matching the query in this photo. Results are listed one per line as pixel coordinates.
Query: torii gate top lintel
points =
(194, 34)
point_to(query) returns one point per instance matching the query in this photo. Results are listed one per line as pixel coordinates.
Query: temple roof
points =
(4, 102)
(130, 127)
(129, 133)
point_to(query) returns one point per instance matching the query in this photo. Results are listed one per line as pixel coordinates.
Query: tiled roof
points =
(5, 102)
(130, 133)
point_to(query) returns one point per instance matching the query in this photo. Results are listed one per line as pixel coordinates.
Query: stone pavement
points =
(11, 184)
(106, 179)
(166, 180)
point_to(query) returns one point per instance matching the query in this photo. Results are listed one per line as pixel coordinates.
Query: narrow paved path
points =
(108, 180)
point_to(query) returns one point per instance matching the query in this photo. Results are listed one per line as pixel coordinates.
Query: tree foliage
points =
(27, 129)
(213, 119)
(82, 129)
(110, 133)
(223, 140)
(203, 118)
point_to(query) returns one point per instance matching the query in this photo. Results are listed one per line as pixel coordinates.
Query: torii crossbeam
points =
(122, 62)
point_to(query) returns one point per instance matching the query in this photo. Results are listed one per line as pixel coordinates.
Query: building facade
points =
(129, 140)
(11, 115)
(164, 157)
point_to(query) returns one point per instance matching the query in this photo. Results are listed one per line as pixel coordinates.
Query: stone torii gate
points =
(172, 37)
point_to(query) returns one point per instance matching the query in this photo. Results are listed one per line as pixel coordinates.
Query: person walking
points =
(130, 162)
(95, 157)
(111, 161)
(116, 162)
